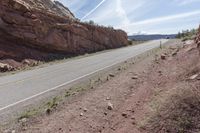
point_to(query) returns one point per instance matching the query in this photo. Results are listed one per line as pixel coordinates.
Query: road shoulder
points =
(85, 102)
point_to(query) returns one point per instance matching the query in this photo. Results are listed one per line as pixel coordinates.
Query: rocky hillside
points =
(198, 38)
(45, 30)
(54, 7)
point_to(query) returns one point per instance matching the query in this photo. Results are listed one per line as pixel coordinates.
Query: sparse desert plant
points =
(130, 42)
(180, 113)
(111, 27)
(67, 94)
(91, 22)
(80, 89)
(28, 114)
(187, 34)
(186, 38)
(53, 103)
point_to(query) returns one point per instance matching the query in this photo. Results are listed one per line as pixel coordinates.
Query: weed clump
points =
(180, 113)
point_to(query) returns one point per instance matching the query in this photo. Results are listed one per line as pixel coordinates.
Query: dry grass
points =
(175, 105)
(179, 113)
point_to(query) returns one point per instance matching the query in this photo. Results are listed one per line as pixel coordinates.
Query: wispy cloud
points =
(165, 18)
(74, 5)
(93, 10)
(185, 2)
(122, 13)
(116, 12)
(167, 24)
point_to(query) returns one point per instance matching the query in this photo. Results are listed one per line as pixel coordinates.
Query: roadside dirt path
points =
(129, 94)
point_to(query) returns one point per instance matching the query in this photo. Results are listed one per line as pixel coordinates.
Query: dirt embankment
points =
(45, 30)
(161, 94)
(198, 39)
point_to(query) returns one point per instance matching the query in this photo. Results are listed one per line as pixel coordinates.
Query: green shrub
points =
(130, 42)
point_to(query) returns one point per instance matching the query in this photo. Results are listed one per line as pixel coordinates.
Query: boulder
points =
(26, 62)
(110, 106)
(163, 56)
(134, 77)
(193, 76)
(5, 67)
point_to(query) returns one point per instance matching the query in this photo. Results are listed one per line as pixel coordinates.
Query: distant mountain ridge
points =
(151, 37)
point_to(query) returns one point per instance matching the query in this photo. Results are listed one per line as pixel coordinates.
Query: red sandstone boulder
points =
(5, 67)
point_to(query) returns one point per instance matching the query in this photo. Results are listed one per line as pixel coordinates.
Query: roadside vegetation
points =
(179, 113)
(91, 22)
(187, 34)
(174, 108)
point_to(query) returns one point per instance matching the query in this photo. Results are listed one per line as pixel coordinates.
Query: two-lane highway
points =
(24, 86)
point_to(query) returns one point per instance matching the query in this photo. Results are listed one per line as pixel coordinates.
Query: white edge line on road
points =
(71, 81)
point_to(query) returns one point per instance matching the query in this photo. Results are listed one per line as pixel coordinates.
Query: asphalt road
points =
(24, 86)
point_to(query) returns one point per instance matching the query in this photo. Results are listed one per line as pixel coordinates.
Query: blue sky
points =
(139, 16)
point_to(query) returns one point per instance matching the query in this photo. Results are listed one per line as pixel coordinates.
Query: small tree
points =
(179, 35)
(91, 22)
(110, 27)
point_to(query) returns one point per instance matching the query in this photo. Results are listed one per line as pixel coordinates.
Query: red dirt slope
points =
(145, 98)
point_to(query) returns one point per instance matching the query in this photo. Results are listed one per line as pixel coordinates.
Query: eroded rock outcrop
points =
(197, 40)
(45, 30)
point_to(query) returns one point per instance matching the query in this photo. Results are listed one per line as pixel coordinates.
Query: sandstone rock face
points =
(60, 8)
(44, 30)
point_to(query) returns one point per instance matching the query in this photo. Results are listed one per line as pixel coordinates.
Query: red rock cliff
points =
(43, 30)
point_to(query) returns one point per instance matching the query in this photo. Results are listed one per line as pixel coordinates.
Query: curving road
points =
(24, 86)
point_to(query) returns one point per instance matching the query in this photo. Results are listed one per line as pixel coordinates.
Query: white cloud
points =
(115, 12)
(165, 18)
(185, 2)
(169, 24)
(75, 5)
(122, 13)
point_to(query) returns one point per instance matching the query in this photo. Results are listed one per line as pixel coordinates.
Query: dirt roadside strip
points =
(95, 80)
(154, 95)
